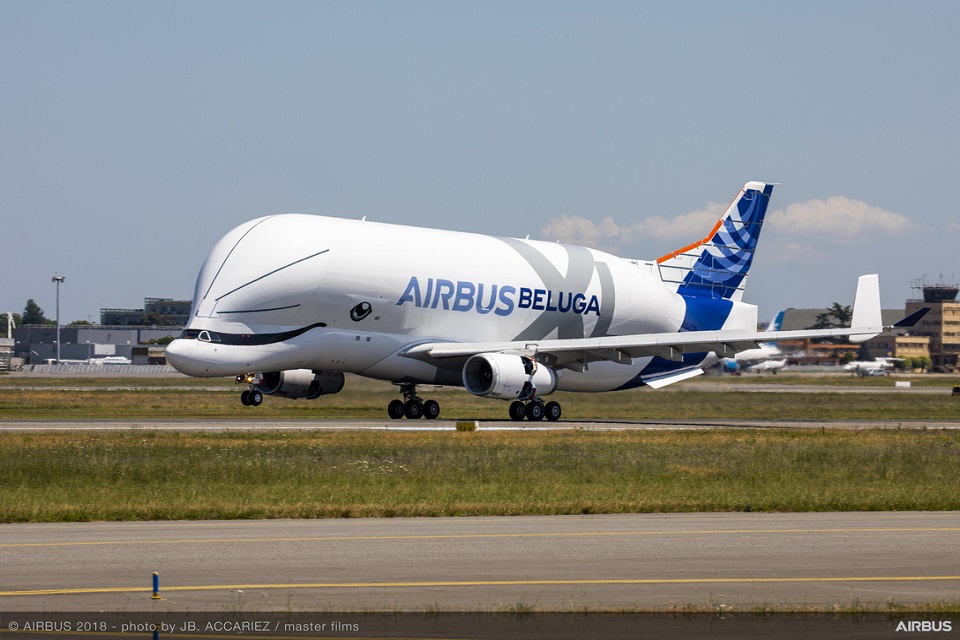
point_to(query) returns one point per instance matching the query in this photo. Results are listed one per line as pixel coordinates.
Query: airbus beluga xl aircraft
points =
(289, 303)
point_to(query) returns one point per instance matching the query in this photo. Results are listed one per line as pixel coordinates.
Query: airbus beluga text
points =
(289, 303)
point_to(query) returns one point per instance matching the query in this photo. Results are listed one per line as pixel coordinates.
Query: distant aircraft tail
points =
(716, 267)
(777, 323)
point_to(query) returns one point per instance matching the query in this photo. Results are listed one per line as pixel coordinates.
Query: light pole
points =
(58, 280)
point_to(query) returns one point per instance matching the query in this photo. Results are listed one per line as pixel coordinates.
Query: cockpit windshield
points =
(205, 335)
(202, 335)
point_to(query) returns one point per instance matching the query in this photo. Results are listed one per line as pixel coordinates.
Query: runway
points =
(194, 425)
(567, 563)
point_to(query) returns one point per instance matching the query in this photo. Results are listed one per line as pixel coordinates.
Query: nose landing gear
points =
(412, 407)
(250, 397)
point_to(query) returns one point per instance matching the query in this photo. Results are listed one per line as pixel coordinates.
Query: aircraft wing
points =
(623, 349)
(574, 353)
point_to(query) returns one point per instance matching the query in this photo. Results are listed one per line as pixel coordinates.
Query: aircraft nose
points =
(178, 355)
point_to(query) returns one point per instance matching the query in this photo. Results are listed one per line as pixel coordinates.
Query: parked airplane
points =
(288, 303)
(768, 366)
(876, 367)
(763, 358)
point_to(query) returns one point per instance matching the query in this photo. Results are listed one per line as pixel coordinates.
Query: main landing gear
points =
(413, 406)
(535, 410)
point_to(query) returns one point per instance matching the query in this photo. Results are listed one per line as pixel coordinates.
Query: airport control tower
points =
(941, 325)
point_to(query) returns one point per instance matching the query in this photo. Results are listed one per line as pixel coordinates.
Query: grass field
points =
(153, 475)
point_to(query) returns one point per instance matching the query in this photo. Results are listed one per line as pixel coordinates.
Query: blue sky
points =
(134, 134)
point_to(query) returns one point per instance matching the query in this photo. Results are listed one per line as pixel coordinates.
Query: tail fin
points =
(717, 266)
(777, 323)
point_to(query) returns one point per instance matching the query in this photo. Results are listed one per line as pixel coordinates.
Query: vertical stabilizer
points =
(777, 323)
(717, 266)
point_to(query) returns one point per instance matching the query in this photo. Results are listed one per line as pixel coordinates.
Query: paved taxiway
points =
(27, 426)
(561, 562)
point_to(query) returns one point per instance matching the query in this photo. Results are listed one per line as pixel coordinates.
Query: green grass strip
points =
(161, 475)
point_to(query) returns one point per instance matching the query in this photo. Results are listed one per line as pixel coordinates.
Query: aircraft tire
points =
(256, 398)
(553, 411)
(412, 409)
(535, 411)
(431, 409)
(245, 397)
(395, 409)
(518, 411)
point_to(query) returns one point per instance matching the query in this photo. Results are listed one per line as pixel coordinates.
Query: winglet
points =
(866, 307)
(911, 319)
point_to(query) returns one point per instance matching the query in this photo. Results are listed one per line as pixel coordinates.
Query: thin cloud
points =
(608, 235)
(788, 252)
(837, 218)
(801, 226)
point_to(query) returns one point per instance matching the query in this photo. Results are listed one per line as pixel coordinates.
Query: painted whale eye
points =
(360, 311)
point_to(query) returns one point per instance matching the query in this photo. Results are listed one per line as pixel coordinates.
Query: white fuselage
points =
(371, 291)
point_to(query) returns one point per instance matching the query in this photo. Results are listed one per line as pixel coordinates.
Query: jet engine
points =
(300, 383)
(508, 377)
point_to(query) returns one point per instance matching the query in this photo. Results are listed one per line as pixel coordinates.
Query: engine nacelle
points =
(300, 383)
(508, 377)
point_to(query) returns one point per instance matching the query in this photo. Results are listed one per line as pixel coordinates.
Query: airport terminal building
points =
(37, 344)
(122, 335)
(941, 326)
(156, 311)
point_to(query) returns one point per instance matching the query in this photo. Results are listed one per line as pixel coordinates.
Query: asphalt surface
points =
(28, 426)
(482, 564)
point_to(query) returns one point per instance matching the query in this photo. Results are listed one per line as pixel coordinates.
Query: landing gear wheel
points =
(395, 409)
(412, 409)
(553, 411)
(255, 397)
(518, 411)
(535, 411)
(245, 397)
(431, 409)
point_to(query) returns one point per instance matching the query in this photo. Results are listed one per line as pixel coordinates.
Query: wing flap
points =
(658, 382)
